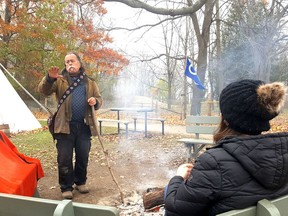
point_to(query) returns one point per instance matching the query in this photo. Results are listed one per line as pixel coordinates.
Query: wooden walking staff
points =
(106, 154)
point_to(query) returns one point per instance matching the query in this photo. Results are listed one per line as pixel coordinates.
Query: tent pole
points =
(43, 107)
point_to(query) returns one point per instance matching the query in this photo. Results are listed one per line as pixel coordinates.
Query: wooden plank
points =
(150, 118)
(200, 129)
(84, 209)
(275, 207)
(114, 120)
(282, 204)
(26, 205)
(202, 120)
(266, 208)
(250, 211)
(64, 208)
(15, 205)
(195, 141)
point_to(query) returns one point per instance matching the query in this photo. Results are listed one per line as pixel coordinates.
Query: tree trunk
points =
(203, 43)
(220, 77)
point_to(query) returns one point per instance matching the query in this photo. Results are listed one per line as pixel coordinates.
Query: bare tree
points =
(255, 36)
(201, 31)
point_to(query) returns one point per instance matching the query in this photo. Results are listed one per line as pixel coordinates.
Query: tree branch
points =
(185, 11)
(142, 26)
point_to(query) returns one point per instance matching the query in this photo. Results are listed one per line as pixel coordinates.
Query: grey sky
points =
(133, 42)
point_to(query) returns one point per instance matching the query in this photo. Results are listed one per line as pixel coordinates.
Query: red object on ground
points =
(18, 173)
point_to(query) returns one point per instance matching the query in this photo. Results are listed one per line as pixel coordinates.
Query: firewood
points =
(153, 197)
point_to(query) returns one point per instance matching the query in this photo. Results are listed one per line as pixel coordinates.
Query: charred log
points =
(153, 199)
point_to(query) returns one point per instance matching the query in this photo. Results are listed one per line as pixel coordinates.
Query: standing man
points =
(74, 123)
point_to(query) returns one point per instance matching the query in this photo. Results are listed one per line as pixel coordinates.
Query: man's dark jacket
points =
(235, 174)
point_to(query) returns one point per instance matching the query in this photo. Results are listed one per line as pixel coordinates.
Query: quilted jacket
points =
(49, 86)
(235, 174)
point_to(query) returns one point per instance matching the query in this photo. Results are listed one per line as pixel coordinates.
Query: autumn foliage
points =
(96, 52)
(35, 35)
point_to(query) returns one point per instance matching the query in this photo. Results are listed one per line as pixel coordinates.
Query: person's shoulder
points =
(213, 157)
(90, 78)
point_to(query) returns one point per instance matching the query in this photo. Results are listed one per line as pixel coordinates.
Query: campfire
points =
(149, 203)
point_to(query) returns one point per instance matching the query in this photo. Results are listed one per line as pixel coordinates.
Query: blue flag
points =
(191, 73)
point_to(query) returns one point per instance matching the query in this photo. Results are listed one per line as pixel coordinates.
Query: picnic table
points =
(133, 109)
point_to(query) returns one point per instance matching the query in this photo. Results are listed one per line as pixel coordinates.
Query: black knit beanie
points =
(248, 105)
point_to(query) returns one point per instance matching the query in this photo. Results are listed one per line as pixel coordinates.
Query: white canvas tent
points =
(13, 111)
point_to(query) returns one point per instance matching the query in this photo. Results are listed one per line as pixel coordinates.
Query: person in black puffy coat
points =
(244, 166)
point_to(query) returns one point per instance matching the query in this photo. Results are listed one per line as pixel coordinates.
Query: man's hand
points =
(92, 101)
(53, 72)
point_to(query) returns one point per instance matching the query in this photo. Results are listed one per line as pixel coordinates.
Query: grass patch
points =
(38, 144)
(43, 122)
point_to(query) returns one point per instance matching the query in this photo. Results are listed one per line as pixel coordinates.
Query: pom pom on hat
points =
(249, 105)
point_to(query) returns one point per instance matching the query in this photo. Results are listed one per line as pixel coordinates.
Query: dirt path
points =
(138, 164)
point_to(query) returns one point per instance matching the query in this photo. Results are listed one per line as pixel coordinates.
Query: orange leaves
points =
(61, 48)
(8, 28)
(94, 44)
(110, 61)
(87, 33)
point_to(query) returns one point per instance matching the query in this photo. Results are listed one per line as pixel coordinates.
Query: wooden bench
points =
(199, 125)
(125, 122)
(23, 206)
(264, 207)
(151, 119)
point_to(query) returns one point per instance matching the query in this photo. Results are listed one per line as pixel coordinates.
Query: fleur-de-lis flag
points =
(191, 73)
